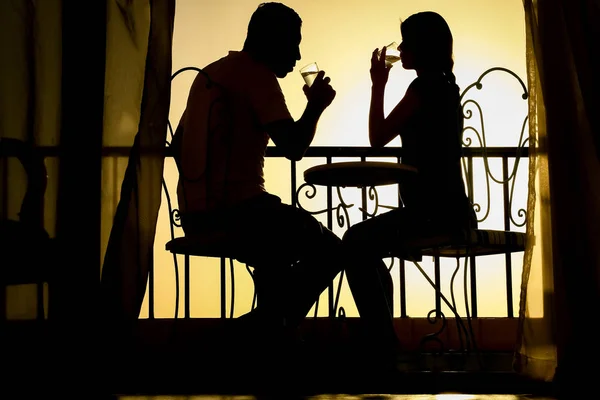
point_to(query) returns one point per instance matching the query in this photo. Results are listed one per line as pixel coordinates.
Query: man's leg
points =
(294, 256)
(315, 271)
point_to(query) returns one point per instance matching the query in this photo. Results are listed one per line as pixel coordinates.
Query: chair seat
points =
(215, 245)
(472, 242)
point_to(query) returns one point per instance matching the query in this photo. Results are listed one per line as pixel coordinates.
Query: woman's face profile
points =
(406, 56)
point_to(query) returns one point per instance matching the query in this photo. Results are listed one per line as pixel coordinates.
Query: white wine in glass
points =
(309, 73)
(392, 54)
(309, 77)
(391, 58)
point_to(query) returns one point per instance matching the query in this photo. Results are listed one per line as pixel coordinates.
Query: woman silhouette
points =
(429, 121)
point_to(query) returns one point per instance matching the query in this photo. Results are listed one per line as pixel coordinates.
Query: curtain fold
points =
(536, 343)
(129, 252)
(563, 67)
(30, 110)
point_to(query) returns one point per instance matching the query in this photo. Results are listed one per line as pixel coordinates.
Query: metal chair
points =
(26, 250)
(471, 243)
(215, 244)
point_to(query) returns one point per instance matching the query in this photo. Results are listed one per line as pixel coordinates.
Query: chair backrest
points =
(32, 206)
(474, 133)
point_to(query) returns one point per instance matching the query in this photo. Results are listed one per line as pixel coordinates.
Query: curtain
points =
(536, 344)
(563, 65)
(85, 84)
(141, 34)
(30, 110)
(91, 88)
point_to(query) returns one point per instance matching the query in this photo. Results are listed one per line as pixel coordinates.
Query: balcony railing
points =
(502, 207)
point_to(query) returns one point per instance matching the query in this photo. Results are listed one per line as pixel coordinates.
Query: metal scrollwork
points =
(176, 218)
(522, 213)
(374, 197)
(433, 317)
(481, 139)
(341, 210)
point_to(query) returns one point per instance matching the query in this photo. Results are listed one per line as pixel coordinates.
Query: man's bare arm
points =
(295, 137)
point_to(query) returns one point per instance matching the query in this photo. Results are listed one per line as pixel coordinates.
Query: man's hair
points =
(269, 21)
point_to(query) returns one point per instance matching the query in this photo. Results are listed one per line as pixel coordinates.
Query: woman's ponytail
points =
(449, 74)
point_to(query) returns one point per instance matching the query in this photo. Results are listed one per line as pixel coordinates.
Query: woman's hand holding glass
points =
(380, 68)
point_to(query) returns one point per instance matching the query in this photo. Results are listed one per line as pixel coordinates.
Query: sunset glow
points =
(340, 36)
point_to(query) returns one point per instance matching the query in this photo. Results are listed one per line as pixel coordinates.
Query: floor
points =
(244, 378)
(201, 377)
(444, 396)
(241, 371)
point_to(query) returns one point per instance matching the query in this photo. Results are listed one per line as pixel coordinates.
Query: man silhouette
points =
(234, 107)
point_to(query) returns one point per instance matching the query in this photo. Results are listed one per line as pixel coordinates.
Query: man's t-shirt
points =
(223, 166)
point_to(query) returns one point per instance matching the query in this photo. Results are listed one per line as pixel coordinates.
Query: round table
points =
(358, 173)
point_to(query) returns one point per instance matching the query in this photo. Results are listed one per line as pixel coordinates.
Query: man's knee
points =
(316, 231)
(329, 236)
(353, 236)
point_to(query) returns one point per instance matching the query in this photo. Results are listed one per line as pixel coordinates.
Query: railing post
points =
(472, 259)
(507, 256)
(330, 289)
(223, 288)
(186, 284)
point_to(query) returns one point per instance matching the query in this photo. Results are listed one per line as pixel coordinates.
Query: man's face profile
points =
(285, 52)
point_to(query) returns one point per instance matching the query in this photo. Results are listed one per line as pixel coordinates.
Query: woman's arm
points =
(381, 129)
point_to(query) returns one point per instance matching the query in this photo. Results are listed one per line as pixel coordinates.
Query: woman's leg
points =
(369, 279)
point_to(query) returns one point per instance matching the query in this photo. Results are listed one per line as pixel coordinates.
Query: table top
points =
(358, 173)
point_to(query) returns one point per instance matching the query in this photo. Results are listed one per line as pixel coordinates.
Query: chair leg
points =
(469, 317)
(459, 320)
(186, 284)
(223, 290)
(254, 297)
(231, 289)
